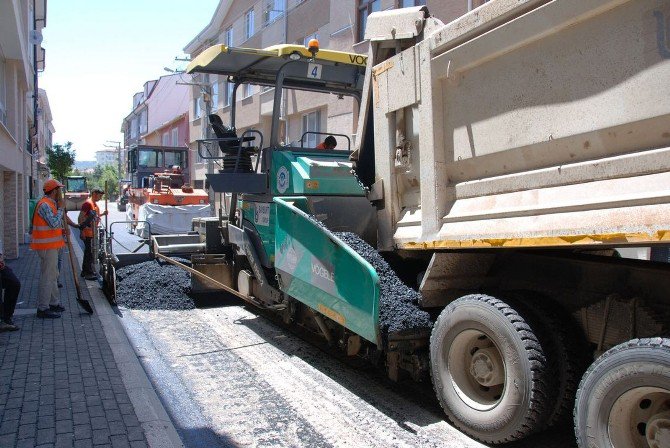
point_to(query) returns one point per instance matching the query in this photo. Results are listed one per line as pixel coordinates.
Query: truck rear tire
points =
(489, 370)
(624, 397)
(564, 346)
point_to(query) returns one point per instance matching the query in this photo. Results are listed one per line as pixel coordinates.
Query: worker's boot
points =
(47, 314)
(7, 326)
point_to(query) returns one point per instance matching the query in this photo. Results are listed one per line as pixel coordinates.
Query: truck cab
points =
(76, 192)
(145, 161)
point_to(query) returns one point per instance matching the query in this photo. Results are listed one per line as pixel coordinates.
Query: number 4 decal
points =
(314, 71)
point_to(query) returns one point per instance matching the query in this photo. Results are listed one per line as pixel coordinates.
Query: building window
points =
(365, 8)
(134, 128)
(229, 93)
(3, 95)
(165, 139)
(273, 10)
(311, 122)
(215, 96)
(143, 122)
(228, 36)
(249, 89)
(197, 111)
(249, 24)
(175, 137)
(410, 3)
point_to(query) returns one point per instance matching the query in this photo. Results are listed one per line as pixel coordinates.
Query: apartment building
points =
(338, 25)
(43, 139)
(21, 58)
(106, 157)
(160, 114)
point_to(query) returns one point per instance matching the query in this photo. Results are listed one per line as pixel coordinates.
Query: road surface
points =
(229, 377)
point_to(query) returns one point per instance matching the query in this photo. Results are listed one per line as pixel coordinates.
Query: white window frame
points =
(3, 91)
(228, 36)
(197, 108)
(273, 10)
(249, 17)
(248, 90)
(311, 122)
(134, 127)
(228, 100)
(215, 96)
(165, 139)
(174, 134)
(365, 8)
(144, 121)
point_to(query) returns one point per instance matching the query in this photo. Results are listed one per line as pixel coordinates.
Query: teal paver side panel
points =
(263, 215)
(322, 272)
(311, 173)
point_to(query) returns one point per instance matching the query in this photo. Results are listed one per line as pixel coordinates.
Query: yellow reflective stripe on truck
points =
(548, 241)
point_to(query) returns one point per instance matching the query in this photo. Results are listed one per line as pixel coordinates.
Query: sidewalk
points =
(60, 384)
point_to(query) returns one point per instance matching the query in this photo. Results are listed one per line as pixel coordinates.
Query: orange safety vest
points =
(45, 237)
(87, 232)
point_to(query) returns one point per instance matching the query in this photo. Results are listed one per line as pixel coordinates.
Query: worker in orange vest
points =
(89, 218)
(329, 143)
(47, 238)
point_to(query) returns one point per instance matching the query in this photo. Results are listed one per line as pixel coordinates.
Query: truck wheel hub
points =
(658, 430)
(486, 367)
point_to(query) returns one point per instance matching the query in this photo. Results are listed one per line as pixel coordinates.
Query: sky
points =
(100, 53)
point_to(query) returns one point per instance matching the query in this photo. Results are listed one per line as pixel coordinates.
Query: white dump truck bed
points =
(527, 124)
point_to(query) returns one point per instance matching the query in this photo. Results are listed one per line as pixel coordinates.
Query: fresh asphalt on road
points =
(229, 377)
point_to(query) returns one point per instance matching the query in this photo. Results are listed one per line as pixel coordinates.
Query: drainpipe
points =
(35, 93)
(469, 5)
(284, 104)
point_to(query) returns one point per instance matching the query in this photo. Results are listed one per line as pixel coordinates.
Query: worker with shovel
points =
(89, 218)
(47, 240)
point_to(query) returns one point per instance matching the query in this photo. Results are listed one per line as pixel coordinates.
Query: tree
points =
(60, 160)
(101, 174)
(111, 176)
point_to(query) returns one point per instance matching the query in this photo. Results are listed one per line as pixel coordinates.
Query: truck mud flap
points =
(318, 269)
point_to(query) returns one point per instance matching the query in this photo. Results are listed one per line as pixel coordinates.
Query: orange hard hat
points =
(51, 185)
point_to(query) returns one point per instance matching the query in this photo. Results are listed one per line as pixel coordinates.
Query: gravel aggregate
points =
(154, 285)
(399, 310)
(399, 304)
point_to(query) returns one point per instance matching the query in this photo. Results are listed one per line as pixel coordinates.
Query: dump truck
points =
(500, 163)
(159, 192)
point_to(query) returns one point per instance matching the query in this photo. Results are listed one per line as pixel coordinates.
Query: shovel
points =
(83, 303)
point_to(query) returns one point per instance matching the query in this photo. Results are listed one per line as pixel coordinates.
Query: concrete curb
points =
(155, 421)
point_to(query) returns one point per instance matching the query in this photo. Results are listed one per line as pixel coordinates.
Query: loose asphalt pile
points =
(399, 308)
(154, 285)
(399, 304)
